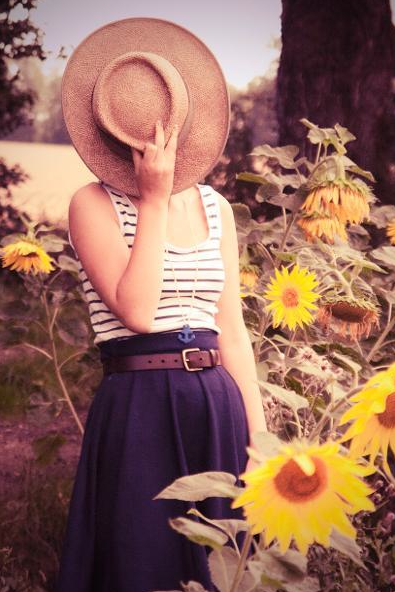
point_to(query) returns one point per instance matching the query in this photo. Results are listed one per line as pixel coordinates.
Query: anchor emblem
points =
(186, 334)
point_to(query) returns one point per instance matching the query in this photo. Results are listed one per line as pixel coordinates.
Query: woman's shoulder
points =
(90, 198)
(224, 204)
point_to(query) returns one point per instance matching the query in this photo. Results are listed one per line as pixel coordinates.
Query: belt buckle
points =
(185, 360)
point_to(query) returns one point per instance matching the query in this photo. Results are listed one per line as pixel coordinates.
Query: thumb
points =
(136, 159)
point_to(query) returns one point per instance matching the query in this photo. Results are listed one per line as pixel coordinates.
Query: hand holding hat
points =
(128, 74)
(154, 170)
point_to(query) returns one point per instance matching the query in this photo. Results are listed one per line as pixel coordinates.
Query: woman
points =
(156, 283)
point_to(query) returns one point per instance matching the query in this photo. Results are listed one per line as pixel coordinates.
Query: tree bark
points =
(337, 66)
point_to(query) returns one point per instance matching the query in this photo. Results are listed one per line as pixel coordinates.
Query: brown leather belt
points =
(192, 359)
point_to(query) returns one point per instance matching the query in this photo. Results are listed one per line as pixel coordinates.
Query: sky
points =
(241, 34)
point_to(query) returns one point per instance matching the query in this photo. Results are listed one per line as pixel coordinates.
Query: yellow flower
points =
(330, 205)
(373, 428)
(26, 255)
(348, 317)
(323, 227)
(248, 277)
(390, 231)
(304, 492)
(346, 199)
(292, 294)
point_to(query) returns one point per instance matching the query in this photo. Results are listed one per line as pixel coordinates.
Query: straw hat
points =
(129, 73)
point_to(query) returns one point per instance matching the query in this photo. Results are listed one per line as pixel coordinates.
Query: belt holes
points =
(149, 361)
(163, 360)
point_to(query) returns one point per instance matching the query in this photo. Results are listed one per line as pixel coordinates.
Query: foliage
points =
(307, 376)
(20, 38)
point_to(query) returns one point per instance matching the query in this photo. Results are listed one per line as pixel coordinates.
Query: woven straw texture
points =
(204, 136)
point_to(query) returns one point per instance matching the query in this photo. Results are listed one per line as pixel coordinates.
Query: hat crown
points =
(133, 91)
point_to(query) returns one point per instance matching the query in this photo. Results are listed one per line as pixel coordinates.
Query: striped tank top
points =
(210, 276)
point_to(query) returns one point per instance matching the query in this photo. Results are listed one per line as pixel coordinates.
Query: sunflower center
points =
(387, 417)
(293, 484)
(290, 297)
(346, 312)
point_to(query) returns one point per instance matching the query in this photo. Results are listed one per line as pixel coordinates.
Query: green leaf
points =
(68, 264)
(223, 564)
(344, 134)
(267, 192)
(285, 155)
(251, 178)
(385, 254)
(199, 533)
(242, 214)
(52, 243)
(231, 526)
(76, 333)
(288, 397)
(347, 546)
(267, 444)
(355, 367)
(199, 486)
(380, 216)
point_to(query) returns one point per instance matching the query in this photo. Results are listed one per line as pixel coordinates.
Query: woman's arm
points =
(127, 280)
(235, 346)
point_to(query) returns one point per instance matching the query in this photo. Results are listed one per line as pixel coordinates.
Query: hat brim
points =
(205, 142)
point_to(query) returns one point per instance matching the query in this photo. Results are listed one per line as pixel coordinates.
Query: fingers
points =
(159, 135)
(137, 157)
(171, 146)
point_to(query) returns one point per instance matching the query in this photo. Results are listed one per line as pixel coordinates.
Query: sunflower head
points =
(293, 296)
(322, 227)
(350, 318)
(390, 232)
(302, 493)
(373, 418)
(346, 199)
(27, 255)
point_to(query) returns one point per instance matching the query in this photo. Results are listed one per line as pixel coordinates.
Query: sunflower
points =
(390, 232)
(26, 255)
(346, 199)
(373, 427)
(292, 294)
(304, 492)
(348, 317)
(248, 279)
(323, 227)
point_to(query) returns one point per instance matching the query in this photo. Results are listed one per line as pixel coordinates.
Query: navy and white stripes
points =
(210, 276)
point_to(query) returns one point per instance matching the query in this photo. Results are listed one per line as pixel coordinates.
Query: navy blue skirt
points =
(144, 429)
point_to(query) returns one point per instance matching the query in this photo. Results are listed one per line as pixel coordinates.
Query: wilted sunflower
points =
(323, 227)
(304, 492)
(390, 231)
(248, 277)
(374, 418)
(346, 199)
(352, 318)
(292, 294)
(26, 255)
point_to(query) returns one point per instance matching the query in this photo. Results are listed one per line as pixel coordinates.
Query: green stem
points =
(50, 325)
(39, 349)
(388, 327)
(288, 229)
(242, 562)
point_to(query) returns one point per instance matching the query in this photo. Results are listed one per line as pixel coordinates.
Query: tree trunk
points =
(337, 66)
